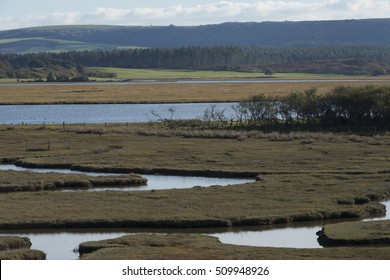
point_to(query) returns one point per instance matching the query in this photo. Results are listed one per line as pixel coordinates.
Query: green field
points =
(123, 74)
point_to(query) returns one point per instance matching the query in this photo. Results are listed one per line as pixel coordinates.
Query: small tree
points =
(269, 72)
(51, 77)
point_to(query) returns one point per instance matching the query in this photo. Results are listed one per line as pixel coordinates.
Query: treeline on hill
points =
(352, 107)
(345, 59)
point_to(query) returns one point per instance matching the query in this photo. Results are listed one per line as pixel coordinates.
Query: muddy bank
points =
(373, 233)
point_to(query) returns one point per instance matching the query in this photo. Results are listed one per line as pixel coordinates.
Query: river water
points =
(61, 244)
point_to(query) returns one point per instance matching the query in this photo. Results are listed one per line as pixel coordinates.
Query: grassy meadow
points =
(125, 73)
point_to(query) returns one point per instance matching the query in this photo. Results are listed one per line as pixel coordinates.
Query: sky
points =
(28, 13)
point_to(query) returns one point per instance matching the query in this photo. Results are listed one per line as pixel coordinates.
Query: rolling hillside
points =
(265, 34)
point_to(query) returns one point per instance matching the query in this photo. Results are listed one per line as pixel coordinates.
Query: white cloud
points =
(215, 12)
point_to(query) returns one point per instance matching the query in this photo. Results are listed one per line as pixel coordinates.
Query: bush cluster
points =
(345, 106)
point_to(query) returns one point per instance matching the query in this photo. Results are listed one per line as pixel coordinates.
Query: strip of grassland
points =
(356, 234)
(126, 73)
(200, 247)
(14, 181)
(162, 93)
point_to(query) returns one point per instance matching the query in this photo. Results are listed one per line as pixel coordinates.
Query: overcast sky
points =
(27, 13)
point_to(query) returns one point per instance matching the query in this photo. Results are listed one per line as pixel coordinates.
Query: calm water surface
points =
(104, 113)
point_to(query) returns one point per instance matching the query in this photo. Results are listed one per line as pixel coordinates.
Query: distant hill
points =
(265, 34)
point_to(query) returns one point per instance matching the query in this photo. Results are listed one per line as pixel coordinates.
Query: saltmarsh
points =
(299, 180)
(72, 93)
(18, 248)
(200, 247)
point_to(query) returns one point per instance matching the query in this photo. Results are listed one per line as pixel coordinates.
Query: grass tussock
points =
(22, 254)
(14, 242)
(18, 248)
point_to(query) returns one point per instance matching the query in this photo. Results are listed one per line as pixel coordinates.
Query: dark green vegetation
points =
(200, 247)
(270, 34)
(356, 234)
(344, 107)
(18, 248)
(352, 60)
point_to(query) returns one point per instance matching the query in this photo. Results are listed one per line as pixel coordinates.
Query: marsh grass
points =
(22, 254)
(140, 148)
(356, 234)
(14, 242)
(195, 129)
(270, 201)
(18, 248)
(162, 93)
(201, 247)
(325, 179)
(15, 181)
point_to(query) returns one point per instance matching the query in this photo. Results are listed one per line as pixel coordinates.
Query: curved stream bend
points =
(61, 244)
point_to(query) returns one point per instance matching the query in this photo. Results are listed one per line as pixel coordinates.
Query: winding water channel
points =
(61, 244)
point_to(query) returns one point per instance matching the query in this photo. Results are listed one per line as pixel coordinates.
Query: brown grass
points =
(15, 181)
(275, 199)
(324, 179)
(162, 93)
(22, 254)
(18, 248)
(356, 234)
(200, 247)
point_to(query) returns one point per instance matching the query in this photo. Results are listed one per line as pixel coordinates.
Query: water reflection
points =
(105, 113)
